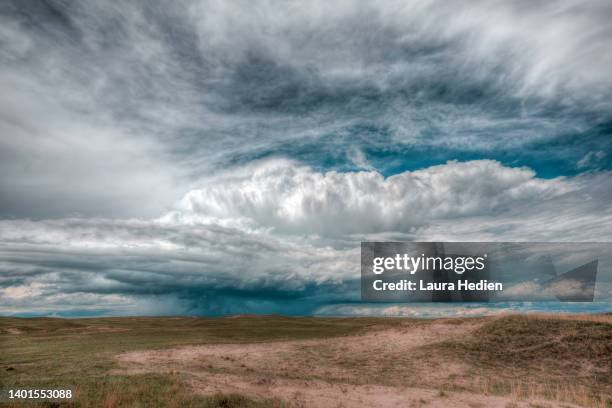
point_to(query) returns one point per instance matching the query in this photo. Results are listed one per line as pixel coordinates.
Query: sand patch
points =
(380, 356)
(383, 368)
(13, 330)
(322, 394)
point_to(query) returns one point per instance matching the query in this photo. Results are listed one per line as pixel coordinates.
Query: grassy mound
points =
(560, 358)
(528, 341)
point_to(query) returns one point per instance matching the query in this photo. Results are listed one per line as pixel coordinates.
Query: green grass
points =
(79, 353)
(58, 348)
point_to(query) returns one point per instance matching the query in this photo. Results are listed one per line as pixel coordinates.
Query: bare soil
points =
(383, 367)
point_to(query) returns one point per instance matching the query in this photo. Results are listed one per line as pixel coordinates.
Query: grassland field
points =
(262, 361)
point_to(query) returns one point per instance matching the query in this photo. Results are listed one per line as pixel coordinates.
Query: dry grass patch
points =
(563, 359)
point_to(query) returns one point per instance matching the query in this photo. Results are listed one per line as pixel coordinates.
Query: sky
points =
(214, 157)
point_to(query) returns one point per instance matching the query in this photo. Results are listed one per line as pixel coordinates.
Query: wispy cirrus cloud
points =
(128, 99)
(203, 157)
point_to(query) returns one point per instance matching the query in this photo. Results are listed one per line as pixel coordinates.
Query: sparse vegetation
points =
(561, 358)
(143, 391)
(79, 353)
(527, 358)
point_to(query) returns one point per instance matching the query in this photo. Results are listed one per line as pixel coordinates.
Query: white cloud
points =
(418, 310)
(102, 104)
(287, 231)
(445, 310)
(112, 112)
(21, 291)
(591, 159)
(359, 159)
(292, 198)
(543, 49)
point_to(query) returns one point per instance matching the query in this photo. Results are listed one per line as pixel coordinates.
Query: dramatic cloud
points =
(215, 157)
(102, 103)
(277, 236)
(204, 268)
(293, 198)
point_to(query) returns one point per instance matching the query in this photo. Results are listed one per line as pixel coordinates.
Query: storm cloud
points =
(280, 236)
(214, 157)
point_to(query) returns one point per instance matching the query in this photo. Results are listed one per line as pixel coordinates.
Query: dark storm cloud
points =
(203, 268)
(103, 102)
(140, 143)
(261, 240)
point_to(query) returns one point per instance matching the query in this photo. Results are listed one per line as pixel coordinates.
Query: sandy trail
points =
(382, 368)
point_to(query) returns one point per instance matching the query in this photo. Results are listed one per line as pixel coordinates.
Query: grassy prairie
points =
(78, 353)
(558, 358)
(566, 357)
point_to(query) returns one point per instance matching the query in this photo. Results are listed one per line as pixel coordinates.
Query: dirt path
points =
(383, 368)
